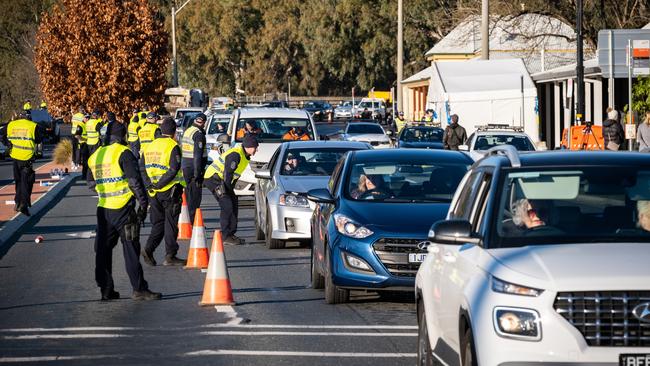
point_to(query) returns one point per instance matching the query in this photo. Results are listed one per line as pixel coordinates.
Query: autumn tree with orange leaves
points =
(104, 54)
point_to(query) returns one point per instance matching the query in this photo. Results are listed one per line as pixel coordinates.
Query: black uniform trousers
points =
(83, 156)
(24, 176)
(134, 147)
(164, 209)
(93, 148)
(192, 192)
(75, 150)
(229, 204)
(111, 225)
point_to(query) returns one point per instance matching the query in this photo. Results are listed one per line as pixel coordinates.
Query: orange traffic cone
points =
(217, 289)
(184, 224)
(197, 257)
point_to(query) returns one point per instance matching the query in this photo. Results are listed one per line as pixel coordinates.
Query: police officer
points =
(160, 167)
(428, 118)
(149, 131)
(221, 177)
(21, 136)
(400, 122)
(132, 139)
(114, 175)
(195, 157)
(93, 126)
(27, 106)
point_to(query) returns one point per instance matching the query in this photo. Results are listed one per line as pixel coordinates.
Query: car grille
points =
(605, 318)
(394, 255)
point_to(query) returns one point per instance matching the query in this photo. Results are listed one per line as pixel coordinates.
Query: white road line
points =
(50, 358)
(289, 326)
(328, 334)
(64, 336)
(225, 309)
(70, 329)
(226, 352)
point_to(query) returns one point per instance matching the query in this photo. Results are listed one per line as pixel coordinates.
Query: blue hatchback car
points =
(379, 205)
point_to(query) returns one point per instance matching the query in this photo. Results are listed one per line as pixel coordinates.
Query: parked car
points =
(270, 125)
(282, 211)
(317, 109)
(420, 137)
(345, 110)
(376, 209)
(489, 136)
(543, 255)
(369, 132)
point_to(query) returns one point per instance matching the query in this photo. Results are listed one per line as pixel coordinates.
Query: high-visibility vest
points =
(110, 182)
(22, 134)
(428, 121)
(91, 130)
(147, 134)
(400, 123)
(217, 166)
(78, 121)
(133, 129)
(142, 118)
(187, 143)
(157, 159)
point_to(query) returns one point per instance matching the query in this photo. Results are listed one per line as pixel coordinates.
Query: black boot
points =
(110, 295)
(148, 258)
(172, 260)
(146, 295)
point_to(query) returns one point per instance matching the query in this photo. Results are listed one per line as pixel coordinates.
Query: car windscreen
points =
(369, 105)
(218, 125)
(188, 118)
(573, 205)
(357, 129)
(416, 134)
(273, 129)
(312, 162)
(401, 182)
(314, 105)
(485, 142)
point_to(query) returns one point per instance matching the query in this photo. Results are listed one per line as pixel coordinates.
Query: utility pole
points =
(400, 54)
(174, 62)
(580, 70)
(485, 30)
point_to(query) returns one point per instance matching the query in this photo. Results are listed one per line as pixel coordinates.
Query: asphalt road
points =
(50, 313)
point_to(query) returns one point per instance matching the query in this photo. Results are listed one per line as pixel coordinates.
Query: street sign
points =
(641, 57)
(630, 131)
(612, 56)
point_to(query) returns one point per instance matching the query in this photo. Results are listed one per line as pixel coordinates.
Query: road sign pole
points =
(630, 62)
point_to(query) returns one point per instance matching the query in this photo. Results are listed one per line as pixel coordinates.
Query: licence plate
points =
(419, 258)
(634, 360)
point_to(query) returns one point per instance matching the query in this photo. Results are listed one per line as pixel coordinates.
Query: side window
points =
(274, 159)
(481, 201)
(336, 174)
(463, 207)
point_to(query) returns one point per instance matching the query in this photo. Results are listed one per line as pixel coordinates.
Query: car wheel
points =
(333, 293)
(425, 356)
(259, 233)
(270, 242)
(468, 357)
(317, 279)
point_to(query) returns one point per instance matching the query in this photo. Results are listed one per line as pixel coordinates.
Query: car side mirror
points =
(463, 147)
(263, 174)
(389, 133)
(454, 232)
(224, 138)
(320, 195)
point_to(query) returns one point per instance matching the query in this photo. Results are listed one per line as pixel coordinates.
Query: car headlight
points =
(347, 227)
(292, 200)
(512, 289)
(518, 323)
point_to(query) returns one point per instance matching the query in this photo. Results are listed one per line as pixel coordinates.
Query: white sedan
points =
(369, 132)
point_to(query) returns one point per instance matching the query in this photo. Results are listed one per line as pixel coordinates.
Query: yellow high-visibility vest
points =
(22, 134)
(217, 166)
(91, 130)
(133, 129)
(147, 134)
(400, 123)
(187, 143)
(142, 118)
(111, 184)
(157, 159)
(27, 106)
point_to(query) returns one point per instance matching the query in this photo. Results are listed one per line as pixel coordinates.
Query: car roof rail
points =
(508, 151)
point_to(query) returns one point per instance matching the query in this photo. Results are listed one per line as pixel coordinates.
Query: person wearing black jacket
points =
(613, 132)
(195, 158)
(160, 167)
(454, 135)
(114, 175)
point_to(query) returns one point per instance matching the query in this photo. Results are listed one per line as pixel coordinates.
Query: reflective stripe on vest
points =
(147, 134)
(217, 167)
(133, 131)
(187, 143)
(91, 130)
(21, 133)
(157, 157)
(110, 183)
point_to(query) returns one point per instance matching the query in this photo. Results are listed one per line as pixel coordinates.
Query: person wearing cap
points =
(114, 175)
(160, 167)
(76, 122)
(22, 136)
(93, 127)
(81, 135)
(133, 130)
(195, 158)
(149, 131)
(221, 177)
(292, 164)
(400, 122)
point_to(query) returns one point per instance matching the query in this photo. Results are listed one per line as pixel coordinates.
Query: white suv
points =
(544, 259)
(491, 135)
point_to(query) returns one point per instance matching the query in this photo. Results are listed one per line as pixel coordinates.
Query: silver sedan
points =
(283, 212)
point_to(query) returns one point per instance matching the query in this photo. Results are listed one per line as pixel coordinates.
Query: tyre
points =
(425, 356)
(468, 355)
(270, 242)
(317, 279)
(259, 233)
(333, 293)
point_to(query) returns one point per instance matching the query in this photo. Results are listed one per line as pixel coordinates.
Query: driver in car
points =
(533, 217)
(292, 166)
(250, 128)
(643, 211)
(296, 133)
(370, 187)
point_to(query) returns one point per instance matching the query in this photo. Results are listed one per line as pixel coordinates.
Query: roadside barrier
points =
(197, 257)
(184, 224)
(217, 289)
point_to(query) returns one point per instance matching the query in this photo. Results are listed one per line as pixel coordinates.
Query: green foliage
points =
(641, 95)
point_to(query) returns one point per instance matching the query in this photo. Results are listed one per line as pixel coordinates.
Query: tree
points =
(641, 96)
(105, 54)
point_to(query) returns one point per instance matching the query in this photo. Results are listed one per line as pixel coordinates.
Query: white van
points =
(270, 125)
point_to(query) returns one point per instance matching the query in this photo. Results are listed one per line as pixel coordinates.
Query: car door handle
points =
(449, 257)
